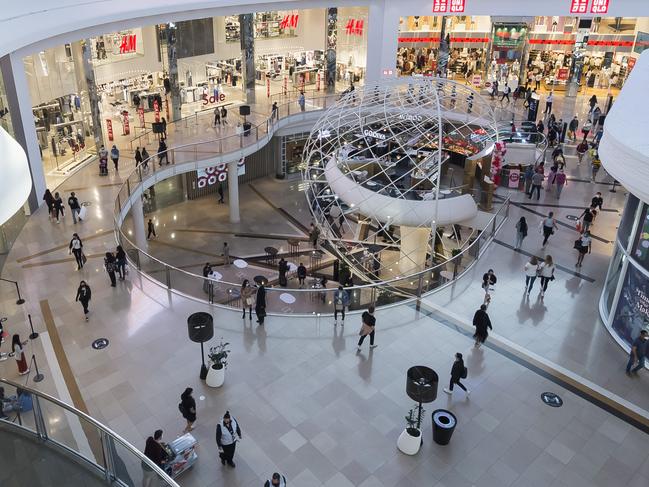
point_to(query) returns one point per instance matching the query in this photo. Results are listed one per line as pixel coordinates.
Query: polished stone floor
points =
(312, 408)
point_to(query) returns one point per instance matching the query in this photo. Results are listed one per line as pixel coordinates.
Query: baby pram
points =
(103, 166)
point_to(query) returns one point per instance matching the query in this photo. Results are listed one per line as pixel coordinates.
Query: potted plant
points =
(218, 362)
(410, 439)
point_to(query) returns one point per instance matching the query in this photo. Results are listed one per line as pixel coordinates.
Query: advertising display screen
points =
(509, 35)
(632, 313)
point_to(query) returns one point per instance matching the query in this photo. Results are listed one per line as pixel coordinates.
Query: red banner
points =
(109, 129)
(140, 114)
(611, 43)
(317, 82)
(470, 39)
(156, 110)
(630, 63)
(418, 39)
(126, 126)
(563, 73)
(561, 42)
(285, 85)
(578, 6)
(268, 87)
(599, 6)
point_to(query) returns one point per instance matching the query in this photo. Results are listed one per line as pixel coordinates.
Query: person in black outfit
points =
(482, 323)
(76, 248)
(367, 328)
(458, 371)
(120, 261)
(145, 158)
(187, 408)
(277, 480)
(49, 201)
(587, 217)
(83, 296)
(155, 452)
(224, 116)
(226, 438)
(110, 265)
(58, 206)
(164, 127)
(301, 274)
(260, 304)
(150, 229)
(162, 152)
(488, 280)
(138, 157)
(75, 207)
(283, 269)
(597, 201)
(220, 190)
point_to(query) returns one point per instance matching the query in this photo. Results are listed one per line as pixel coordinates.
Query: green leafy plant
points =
(411, 419)
(218, 355)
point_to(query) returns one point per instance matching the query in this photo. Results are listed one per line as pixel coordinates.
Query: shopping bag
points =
(84, 259)
(579, 227)
(83, 211)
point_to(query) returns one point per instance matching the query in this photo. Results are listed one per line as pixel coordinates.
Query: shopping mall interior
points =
(207, 207)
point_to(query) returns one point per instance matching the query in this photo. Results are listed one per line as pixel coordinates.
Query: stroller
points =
(103, 166)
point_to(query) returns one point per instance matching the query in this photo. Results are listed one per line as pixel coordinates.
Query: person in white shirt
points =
(531, 272)
(546, 270)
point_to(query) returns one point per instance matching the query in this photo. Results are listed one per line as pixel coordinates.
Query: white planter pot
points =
(215, 377)
(408, 443)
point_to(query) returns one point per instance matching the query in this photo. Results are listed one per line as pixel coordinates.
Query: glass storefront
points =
(291, 152)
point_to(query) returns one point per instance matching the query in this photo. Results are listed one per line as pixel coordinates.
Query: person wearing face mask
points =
(83, 296)
(277, 480)
(226, 438)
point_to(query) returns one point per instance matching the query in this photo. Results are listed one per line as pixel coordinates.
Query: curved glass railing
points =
(77, 435)
(312, 298)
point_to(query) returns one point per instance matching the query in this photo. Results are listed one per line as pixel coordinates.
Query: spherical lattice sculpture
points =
(376, 171)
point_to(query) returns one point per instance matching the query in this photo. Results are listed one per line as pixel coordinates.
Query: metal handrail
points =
(104, 430)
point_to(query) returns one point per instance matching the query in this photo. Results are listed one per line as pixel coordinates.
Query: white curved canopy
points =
(624, 148)
(15, 178)
(397, 211)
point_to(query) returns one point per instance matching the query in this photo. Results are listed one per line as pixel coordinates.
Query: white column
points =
(233, 192)
(383, 29)
(22, 120)
(139, 226)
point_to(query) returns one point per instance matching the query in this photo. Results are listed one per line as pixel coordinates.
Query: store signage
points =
(156, 110)
(418, 39)
(578, 6)
(452, 6)
(413, 118)
(354, 27)
(476, 80)
(126, 127)
(140, 114)
(128, 44)
(469, 39)
(285, 85)
(599, 6)
(596, 6)
(289, 20)
(630, 63)
(217, 174)
(213, 99)
(610, 43)
(514, 177)
(109, 129)
(376, 135)
(554, 42)
(388, 72)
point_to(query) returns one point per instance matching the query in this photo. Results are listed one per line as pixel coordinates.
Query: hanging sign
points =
(514, 178)
(285, 84)
(354, 27)
(156, 110)
(128, 44)
(317, 83)
(289, 21)
(126, 127)
(268, 87)
(140, 114)
(109, 129)
(452, 6)
(578, 6)
(599, 6)
(476, 80)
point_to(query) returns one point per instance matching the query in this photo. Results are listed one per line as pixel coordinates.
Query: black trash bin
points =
(444, 423)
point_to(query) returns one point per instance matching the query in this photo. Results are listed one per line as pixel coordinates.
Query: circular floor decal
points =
(287, 298)
(100, 343)
(240, 263)
(551, 399)
(573, 218)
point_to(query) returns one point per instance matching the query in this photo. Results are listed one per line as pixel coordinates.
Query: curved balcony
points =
(312, 300)
(40, 435)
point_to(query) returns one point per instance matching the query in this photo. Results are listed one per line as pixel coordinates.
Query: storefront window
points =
(632, 313)
(117, 46)
(292, 149)
(628, 219)
(267, 25)
(640, 250)
(613, 278)
(351, 48)
(5, 117)
(507, 51)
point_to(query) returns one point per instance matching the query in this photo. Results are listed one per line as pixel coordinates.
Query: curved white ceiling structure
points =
(397, 211)
(624, 148)
(15, 178)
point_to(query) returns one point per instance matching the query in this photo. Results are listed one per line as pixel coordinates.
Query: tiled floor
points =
(311, 407)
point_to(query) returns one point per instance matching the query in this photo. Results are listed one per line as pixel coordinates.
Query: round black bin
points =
(444, 423)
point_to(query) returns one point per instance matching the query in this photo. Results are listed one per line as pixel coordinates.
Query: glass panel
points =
(612, 278)
(628, 218)
(17, 407)
(632, 313)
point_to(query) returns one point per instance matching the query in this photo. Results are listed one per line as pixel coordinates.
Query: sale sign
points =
(599, 7)
(514, 178)
(140, 114)
(156, 110)
(562, 74)
(109, 129)
(126, 127)
(578, 6)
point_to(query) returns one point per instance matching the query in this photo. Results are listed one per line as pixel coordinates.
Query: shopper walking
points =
(224, 116)
(154, 451)
(301, 274)
(150, 229)
(114, 155)
(595, 163)
(314, 235)
(548, 103)
(162, 152)
(83, 296)
(110, 266)
(274, 112)
(583, 246)
(521, 232)
(531, 270)
(506, 91)
(572, 128)
(76, 248)
(75, 207)
(488, 281)
(163, 121)
(217, 117)
(637, 354)
(458, 371)
(207, 269)
(276, 480)
(301, 101)
(260, 304)
(560, 180)
(546, 271)
(341, 301)
(226, 254)
(49, 201)
(187, 408)
(145, 158)
(597, 201)
(582, 148)
(586, 219)
(58, 207)
(221, 196)
(537, 184)
(585, 129)
(247, 299)
(138, 157)
(547, 227)
(368, 325)
(120, 262)
(227, 431)
(19, 354)
(482, 324)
